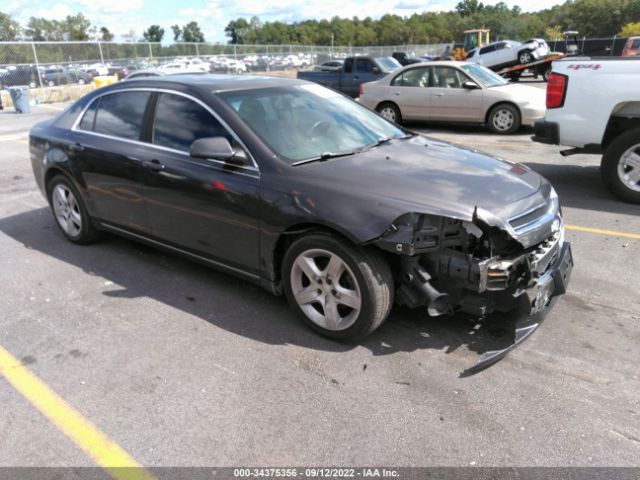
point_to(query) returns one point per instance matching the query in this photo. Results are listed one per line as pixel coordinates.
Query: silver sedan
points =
(457, 92)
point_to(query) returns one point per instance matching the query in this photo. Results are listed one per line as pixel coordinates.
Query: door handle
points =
(439, 94)
(397, 94)
(153, 165)
(76, 147)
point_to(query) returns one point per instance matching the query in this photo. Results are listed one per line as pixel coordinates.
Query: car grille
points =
(530, 219)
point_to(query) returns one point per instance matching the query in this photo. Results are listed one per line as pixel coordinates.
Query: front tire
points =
(390, 111)
(70, 212)
(504, 119)
(525, 57)
(620, 167)
(341, 291)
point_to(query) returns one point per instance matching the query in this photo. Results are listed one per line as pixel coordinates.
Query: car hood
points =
(429, 176)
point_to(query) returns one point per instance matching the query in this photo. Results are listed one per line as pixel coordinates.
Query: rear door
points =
(107, 149)
(207, 207)
(449, 101)
(409, 90)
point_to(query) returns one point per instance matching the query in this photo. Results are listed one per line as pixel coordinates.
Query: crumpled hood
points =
(429, 176)
(523, 94)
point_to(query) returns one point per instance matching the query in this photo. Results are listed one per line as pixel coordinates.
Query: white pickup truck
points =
(593, 105)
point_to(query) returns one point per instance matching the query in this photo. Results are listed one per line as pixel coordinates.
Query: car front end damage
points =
(519, 265)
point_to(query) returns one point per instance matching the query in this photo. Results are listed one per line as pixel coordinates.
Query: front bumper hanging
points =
(540, 299)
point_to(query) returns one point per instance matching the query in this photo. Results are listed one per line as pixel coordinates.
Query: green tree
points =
(105, 34)
(191, 33)
(467, 8)
(9, 28)
(237, 30)
(76, 27)
(553, 33)
(41, 30)
(177, 33)
(154, 33)
(630, 30)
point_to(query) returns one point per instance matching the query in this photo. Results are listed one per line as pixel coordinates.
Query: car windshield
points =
(484, 76)
(388, 64)
(309, 121)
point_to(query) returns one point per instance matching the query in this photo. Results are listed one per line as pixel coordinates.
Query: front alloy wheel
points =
(325, 289)
(504, 119)
(341, 291)
(525, 57)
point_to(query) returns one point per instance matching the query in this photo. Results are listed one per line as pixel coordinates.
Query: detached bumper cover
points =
(539, 300)
(546, 132)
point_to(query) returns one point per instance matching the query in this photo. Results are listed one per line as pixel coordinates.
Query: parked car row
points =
(54, 75)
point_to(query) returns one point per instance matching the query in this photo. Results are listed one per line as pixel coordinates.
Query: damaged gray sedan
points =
(305, 192)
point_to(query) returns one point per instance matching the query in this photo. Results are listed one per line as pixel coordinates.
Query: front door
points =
(449, 100)
(208, 207)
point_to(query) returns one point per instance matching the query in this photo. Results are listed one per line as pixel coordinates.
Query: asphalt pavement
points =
(180, 365)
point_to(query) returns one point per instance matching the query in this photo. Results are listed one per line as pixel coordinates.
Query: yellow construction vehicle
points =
(472, 39)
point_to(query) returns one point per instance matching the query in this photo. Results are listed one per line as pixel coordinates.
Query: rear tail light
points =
(361, 88)
(556, 90)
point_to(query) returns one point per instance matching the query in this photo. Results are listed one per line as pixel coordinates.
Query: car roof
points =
(224, 82)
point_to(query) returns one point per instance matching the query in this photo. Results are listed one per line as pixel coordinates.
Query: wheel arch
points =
(501, 102)
(388, 102)
(297, 230)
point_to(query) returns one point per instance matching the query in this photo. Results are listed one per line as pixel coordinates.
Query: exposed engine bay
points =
(451, 265)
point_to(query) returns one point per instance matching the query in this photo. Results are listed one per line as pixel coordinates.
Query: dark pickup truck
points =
(356, 70)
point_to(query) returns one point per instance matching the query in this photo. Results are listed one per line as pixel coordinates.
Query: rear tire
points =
(341, 291)
(620, 167)
(390, 111)
(504, 119)
(70, 212)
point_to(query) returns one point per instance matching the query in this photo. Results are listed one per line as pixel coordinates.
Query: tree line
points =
(592, 18)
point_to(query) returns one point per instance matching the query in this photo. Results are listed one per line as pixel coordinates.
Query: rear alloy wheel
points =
(70, 212)
(81, 81)
(390, 112)
(504, 119)
(340, 291)
(525, 57)
(620, 167)
(51, 83)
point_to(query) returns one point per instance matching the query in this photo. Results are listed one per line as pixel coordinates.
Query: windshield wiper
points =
(382, 141)
(325, 156)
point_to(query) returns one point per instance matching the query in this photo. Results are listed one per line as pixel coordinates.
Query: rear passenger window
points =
(120, 114)
(89, 116)
(180, 121)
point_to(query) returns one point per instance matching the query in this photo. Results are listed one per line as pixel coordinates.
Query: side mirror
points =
(217, 148)
(469, 85)
(375, 69)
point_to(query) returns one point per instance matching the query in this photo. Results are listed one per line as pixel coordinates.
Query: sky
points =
(123, 16)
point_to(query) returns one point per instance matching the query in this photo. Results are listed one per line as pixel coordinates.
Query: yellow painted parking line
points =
(600, 231)
(104, 451)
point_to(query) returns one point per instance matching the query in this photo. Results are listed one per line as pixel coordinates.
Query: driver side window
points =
(180, 121)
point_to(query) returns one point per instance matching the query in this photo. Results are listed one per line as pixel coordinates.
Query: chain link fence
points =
(47, 64)
(42, 64)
